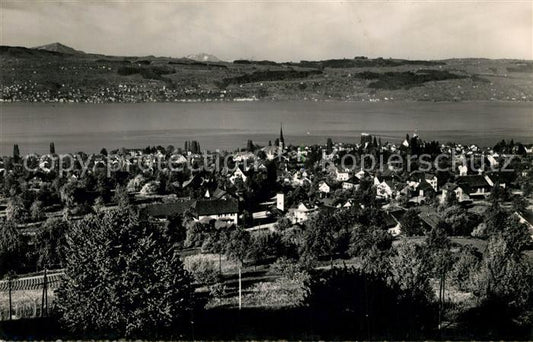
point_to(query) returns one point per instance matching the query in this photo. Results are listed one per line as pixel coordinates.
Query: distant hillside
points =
(203, 57)
(23, 52)
(57, 73)
(58, 47)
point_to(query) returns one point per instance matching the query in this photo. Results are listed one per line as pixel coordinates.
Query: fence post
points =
(35, 307)
(46, 291)
(10, 302)
(44, 297)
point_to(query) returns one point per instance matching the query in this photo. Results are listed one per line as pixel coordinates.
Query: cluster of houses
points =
(334, 187)
(219, 194)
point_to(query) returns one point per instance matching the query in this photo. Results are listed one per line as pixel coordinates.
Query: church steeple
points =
(281, 140)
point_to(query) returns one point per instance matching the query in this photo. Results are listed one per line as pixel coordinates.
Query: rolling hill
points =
(58, 73)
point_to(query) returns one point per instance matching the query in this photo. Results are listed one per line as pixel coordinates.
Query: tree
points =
(266, 245)
(495, 217)
(526, 186)
(247, 218)
(12, 248)
(318, 238)
(288, 289)
(516, 235)
(463, 269)
(283, 224)
(376, 262)
(365, 238)
(329, 146)
(411, 223)
(238, 245)
(15, 210)
(121, 197)
(50, 243)
(202, 269)
(451, 199)
(103, 152)
(46, 196)
(411, 269)
(238, 249)
(520, 205)
(197, 233)
(459, 221)
(503, 285)
(122, 275)
(74, 193)
(52, 148)
(437, 237)
(504, 275)
(348, 300)
(499, 193)
(36, 211)
(216, 243)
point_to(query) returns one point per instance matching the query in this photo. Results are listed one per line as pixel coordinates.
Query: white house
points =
(341, 175)
(384, 190)
(323, 187)
(226, 210)
(458, 191)
(302, 212)
(432, 180)
(350, 184)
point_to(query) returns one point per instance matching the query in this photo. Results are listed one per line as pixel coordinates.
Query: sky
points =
(278, 30)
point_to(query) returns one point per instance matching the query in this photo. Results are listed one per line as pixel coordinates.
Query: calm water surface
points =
(89, 127)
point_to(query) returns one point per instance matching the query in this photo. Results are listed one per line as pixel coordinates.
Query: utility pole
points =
(442, 284)
(240, 287)
(440, 301)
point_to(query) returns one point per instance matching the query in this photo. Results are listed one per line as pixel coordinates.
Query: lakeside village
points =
(285, 203)
(258, 186)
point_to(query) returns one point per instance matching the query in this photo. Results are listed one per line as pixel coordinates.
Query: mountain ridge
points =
(203, 57)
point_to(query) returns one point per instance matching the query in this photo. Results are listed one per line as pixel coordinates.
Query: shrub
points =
(203, 269)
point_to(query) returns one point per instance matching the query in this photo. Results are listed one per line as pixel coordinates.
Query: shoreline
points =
(184, 101)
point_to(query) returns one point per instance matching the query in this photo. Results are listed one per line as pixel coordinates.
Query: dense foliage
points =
(123, 276)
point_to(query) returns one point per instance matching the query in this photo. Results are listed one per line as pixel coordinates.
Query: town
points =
(290, 170)
(252, 225)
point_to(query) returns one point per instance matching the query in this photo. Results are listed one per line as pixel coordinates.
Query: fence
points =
(29, 296)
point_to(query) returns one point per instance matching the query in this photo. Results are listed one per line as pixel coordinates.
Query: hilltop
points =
(56, 72)
(58, 47)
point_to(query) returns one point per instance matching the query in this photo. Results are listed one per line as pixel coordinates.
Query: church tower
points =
(281, 140)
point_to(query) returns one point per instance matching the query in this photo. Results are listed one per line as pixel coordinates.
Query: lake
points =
(228, 125)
